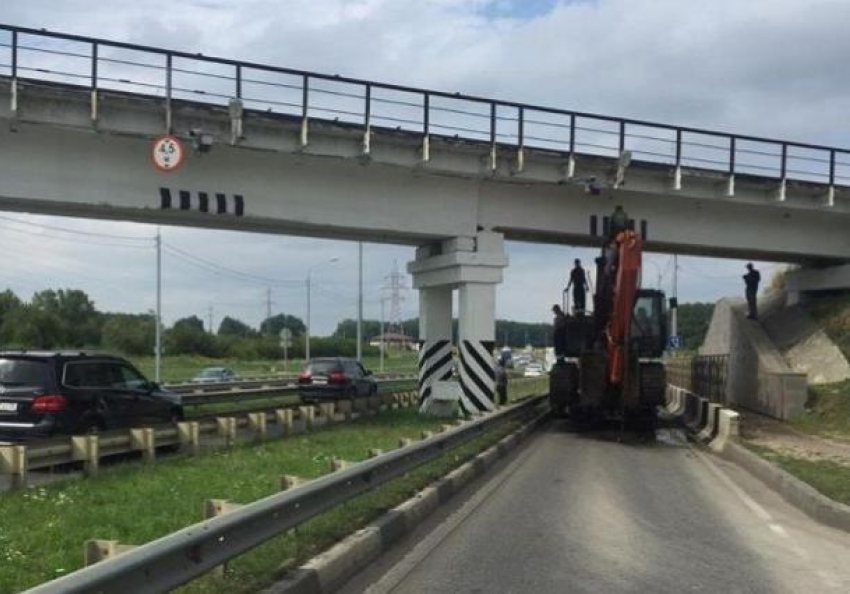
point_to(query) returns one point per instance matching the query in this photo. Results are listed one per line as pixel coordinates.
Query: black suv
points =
(47, 393)
(335, 378)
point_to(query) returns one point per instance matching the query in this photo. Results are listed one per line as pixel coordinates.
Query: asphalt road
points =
(577, 512)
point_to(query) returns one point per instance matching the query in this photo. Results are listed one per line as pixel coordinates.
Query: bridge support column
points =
(435, 338)
(473, 265)
(477, 329)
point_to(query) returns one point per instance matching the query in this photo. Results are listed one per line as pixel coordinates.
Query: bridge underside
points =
(56, 158)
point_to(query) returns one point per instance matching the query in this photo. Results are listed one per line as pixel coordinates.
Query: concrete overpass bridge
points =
(278, 150)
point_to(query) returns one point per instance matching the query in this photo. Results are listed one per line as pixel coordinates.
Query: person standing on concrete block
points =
(578, 281)
(751, 280)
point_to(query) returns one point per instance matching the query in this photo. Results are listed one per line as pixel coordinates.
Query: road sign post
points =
(675, 342)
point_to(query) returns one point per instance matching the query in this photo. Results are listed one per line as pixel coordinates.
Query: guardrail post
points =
(97, 550)
(375, 452)
(337, 464)
(308, 414)
(327, 409)
(218, 507)
(290, 481)
(404, 442)
(143, 440)
(13, 461)
(188, 432)
(346, 408)
(86, 448)
(227, 429)
(427, 434)
(284, 419)
(257, 424)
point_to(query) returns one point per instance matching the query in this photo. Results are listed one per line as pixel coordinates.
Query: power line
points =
(226, 271)
(76, 231)
(77, 240)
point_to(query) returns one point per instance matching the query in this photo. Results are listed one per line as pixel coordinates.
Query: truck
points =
(608, 361)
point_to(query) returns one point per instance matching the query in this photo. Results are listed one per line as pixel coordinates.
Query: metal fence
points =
(40, 56)
(705, 375)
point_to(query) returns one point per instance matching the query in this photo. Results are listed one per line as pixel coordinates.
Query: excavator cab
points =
(649, 324)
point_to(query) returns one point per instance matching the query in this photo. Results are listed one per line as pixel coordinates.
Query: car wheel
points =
(177, 415)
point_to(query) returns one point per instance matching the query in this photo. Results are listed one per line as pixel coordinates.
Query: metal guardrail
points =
(282, 380)
(179, 557)
(100, 64)
(16, 460)
(236, 395)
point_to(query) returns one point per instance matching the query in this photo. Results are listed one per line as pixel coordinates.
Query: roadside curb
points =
(716, 428)
(329, 570)
(793, 490)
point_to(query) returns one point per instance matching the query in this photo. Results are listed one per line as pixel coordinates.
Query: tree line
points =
(68, 318)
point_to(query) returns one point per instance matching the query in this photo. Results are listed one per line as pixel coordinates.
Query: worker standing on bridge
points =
(751, 280)
(578, 281)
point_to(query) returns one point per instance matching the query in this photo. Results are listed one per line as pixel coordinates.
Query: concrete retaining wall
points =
(758, 377)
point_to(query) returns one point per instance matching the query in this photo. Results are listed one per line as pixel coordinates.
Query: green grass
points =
(179, 368)
(827, 411)
(833, 315)
(44, 528)
(829, 478)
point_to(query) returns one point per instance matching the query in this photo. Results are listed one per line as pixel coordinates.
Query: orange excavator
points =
(607, 361)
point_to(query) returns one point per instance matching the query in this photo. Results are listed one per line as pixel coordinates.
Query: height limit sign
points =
(167, 153)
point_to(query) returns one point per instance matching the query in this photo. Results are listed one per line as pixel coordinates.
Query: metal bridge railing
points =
(41, 56)
(704, 375)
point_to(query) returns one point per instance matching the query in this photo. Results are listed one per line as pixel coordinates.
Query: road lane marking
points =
(826, 577)
(396, 574)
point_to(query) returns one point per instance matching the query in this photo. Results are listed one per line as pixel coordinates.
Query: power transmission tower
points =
(210, 318)
(394, 284)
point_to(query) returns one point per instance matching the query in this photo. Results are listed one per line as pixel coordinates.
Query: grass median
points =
(44, 528)
(829, 478)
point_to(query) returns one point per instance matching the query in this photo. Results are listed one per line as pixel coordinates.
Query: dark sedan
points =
(335, 378)
(48, 393)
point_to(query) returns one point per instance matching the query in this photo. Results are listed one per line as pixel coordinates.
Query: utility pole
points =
(268, 303)
(158, 345)
(382, 334)
(210, 318)
(308, 283)
(674, 313)
(360, 301)
(307, 336)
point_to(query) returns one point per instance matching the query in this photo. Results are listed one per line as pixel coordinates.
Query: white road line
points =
(393, 578)
(826, 577)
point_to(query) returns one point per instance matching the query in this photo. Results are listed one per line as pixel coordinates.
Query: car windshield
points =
(323, 367)
(22, 372)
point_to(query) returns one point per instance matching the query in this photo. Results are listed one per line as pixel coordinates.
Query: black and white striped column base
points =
(435, 364)
(477, 376)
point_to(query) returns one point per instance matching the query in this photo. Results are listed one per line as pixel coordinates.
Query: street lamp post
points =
(309, 283)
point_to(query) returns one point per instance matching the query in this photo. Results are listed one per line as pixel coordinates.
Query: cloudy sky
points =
(764, 67)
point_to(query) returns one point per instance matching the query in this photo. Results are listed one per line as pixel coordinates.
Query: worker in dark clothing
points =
(751, 280)
(560, 325)
(578, 281)
(501, 381)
